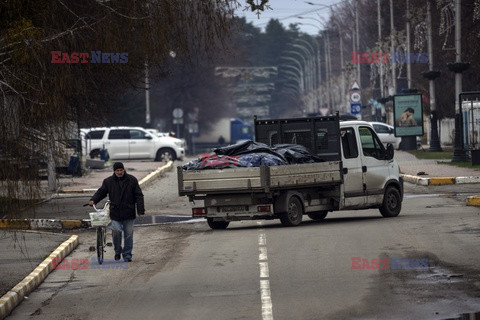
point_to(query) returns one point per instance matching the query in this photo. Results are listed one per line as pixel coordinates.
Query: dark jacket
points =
(124, 193)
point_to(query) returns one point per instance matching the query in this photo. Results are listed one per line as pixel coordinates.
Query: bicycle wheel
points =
(100, 243)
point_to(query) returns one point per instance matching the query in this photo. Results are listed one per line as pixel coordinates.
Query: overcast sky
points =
(288, 11)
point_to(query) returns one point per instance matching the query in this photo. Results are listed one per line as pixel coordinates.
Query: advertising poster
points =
(408, 115)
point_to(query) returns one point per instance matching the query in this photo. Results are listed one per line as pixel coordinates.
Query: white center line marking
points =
(265, 294)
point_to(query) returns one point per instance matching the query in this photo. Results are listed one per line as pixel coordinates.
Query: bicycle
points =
(100, 219)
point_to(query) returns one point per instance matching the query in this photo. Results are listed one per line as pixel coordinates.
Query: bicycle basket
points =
(99, 218)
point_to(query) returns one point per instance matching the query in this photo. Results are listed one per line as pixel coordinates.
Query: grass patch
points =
(425, 154)
(446, 154)
(460, 164)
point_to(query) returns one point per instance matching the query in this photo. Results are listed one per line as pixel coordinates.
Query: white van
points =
(124, 143)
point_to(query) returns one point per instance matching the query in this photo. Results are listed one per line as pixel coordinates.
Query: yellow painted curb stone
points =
(473, 201)
(14, 224)
(442, 181)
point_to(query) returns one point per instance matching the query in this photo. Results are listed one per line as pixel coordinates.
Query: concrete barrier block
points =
(461, 180)
(51, 224)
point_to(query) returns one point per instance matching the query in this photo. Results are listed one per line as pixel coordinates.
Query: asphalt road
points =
(259, 269)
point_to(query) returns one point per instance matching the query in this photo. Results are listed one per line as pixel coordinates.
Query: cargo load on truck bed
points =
(253, 154)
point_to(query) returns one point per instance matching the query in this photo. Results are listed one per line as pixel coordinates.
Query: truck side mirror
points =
(389, 152)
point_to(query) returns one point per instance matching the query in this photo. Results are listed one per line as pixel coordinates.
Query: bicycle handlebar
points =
(104, 207)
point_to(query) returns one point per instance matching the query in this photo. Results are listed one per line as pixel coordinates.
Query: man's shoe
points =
(117, 256)
(127, 259)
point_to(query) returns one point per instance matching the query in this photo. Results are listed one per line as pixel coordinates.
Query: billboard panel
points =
(408, 115)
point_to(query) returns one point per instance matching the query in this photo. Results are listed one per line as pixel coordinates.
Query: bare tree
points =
(48, 80)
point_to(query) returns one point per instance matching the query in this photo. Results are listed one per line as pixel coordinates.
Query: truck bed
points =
(257, 179)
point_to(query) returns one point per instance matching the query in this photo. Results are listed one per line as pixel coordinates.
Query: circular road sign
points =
(355, 97)
(177, 113)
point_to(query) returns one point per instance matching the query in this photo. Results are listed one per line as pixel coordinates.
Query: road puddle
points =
(466, 316)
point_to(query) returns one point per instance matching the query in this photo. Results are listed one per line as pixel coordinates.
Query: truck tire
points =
(293, 216)
(392, 203)
(318, 215)
(165, 155)
(217, 225)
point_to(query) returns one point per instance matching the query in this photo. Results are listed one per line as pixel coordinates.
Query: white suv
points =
(129, 143)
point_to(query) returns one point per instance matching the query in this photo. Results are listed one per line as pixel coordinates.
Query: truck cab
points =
(369, 170)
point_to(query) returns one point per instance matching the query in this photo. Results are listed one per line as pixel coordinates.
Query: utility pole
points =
(431, 75)
(409, 63)
(330, 101)
(344, 94)
(147, 97)
(379, 41)
(327, 74)
(357, 38)
(392, 36)
(458, 67)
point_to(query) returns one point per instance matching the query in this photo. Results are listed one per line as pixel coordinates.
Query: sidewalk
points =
(430, 172)
(410, 165)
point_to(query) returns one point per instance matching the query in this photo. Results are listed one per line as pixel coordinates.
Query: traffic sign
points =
(355, 108)
(355, 97)
(177, 113)
(355, 86)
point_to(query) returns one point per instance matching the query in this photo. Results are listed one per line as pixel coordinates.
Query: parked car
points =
(179, 142)
(129, 143)
(386, 134)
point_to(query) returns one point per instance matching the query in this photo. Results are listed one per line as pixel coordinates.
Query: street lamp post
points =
(431, 75)
(458, 67)
(299, 69)
(304, 67)
(147, 97)
(309, 66)
(307, 74)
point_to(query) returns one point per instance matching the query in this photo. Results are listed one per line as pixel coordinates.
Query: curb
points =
(436, 181)
(153, 175)
(473, 201)
(13, 297)
(55, 224)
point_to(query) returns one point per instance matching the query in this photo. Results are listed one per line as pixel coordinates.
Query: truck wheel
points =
(293, 216)
(165, 155)
(216, 225)
(317, 215)
(392, 203)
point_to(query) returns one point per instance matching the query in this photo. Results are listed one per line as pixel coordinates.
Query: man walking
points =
(124, 193)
